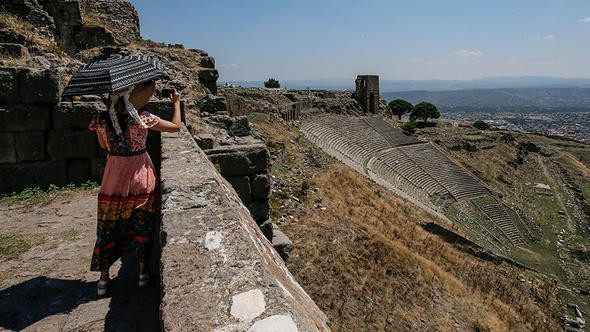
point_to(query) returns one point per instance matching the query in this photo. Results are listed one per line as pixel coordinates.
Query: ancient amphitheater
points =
(418, 171)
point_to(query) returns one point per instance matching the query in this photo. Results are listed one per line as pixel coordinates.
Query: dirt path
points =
(49, 287)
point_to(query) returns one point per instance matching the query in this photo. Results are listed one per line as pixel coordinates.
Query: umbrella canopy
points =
(113, 74)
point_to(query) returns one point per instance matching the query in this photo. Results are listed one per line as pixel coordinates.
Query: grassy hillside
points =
(547, 181)
(361, 255)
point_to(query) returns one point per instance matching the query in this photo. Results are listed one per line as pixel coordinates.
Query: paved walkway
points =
(49, 287)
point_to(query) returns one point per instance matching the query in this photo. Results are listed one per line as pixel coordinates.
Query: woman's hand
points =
(173, 125)
(175, 96)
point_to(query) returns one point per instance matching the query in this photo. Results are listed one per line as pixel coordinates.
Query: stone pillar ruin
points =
(367, 92)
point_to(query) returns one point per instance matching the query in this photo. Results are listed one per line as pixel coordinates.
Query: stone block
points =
(281, 243)
(97, 166)
(260, 186)
(240, 160)
(71, 144)
(207, 62)
(95, 36)
(14, 50)
(205, 141)
(78, 170)
(259, 210)
(68, 115)
(212, 104)
(236, 126)
(9, 86)
(267, 227)
(24, 117)
(30, 145)
(208, 75)
(7, 150)
(39, 86)
(211, 86)
(16, 177)
(241, 184)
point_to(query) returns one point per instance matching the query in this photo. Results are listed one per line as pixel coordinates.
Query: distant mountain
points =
(540, 99)
(433, 85)
(485, 83)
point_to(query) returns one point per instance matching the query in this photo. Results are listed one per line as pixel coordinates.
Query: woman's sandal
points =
(144, 278)
(103, 286)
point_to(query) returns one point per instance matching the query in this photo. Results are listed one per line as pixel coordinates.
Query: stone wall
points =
(246, 168)
(218, 271)
(44, 141)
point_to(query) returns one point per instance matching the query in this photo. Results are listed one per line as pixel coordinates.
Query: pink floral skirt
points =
(127, 203)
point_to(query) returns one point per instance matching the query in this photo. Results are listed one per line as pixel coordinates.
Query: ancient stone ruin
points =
(418, 171)
(219, 268)
(367, 92)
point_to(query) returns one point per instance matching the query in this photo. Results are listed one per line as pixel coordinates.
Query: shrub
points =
(481, 125)
(409, 126)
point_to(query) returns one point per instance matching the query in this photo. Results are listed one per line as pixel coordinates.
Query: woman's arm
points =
(100, 141)
(174, 125)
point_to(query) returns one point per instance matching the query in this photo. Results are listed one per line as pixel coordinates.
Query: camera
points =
(166, 93)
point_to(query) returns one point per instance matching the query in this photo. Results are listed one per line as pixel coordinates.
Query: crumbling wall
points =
(77, 25)
(218, 271)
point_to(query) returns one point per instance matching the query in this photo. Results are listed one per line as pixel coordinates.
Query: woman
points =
(128, 197)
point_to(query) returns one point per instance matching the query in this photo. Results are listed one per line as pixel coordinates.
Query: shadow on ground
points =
(130, 308)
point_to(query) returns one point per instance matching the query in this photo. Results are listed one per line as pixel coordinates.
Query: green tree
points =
(272, 84)
(481, 125)
(400, 107)
(425, 110)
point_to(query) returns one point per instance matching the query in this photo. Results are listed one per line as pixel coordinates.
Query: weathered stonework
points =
(24, 117)
(30, 146)
(70, 115)
(7, 151)
(68, 144)
(35, 174)
(367, 92)
(236, 280)
(236, 160)
(39, 86)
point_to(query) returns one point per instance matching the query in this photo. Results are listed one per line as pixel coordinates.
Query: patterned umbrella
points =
(113, 74)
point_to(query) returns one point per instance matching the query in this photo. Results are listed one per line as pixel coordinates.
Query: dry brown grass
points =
(371, 268)
(367, 264)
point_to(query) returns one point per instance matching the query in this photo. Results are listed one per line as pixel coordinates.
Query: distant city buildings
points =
(574, 125)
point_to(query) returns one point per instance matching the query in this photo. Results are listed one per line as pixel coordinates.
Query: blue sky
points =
(419, 39)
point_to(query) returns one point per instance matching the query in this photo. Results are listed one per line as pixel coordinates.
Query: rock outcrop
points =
(77, 25)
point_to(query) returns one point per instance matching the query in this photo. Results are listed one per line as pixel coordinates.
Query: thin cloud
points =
(468, 54)
(547, 37)
(231, 65)
(585, 19)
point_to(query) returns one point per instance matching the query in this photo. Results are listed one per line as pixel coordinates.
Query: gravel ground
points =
(49, 286)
